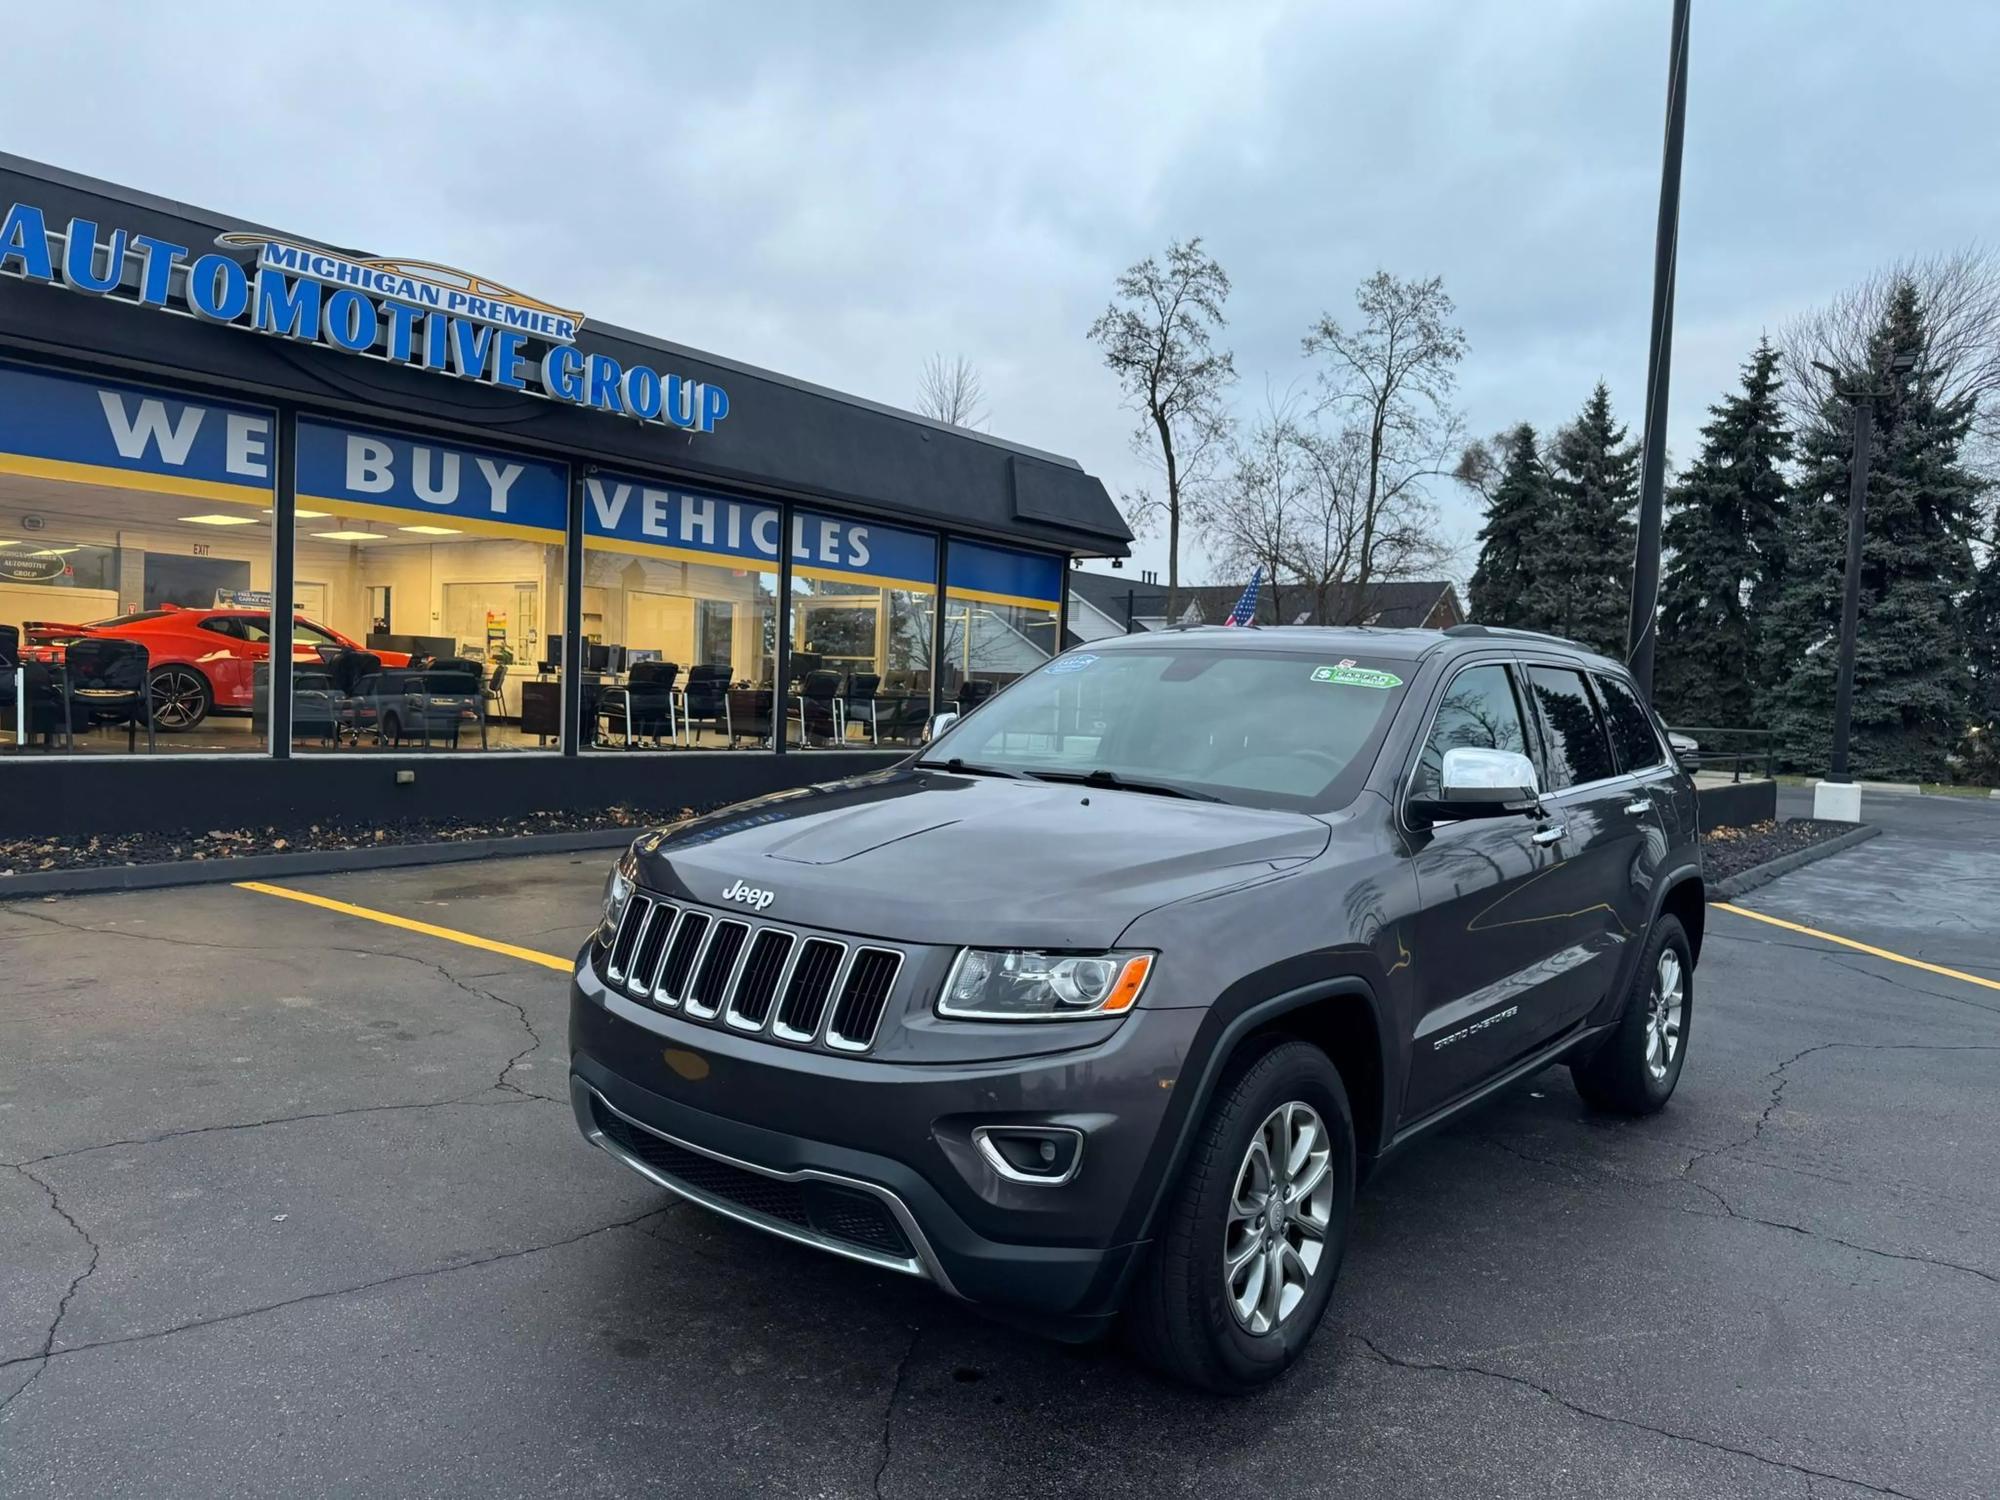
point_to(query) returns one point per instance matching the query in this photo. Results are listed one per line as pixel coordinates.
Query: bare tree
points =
(1481, 463)
(1394, 376)
(1960, 294)
(1400, 531)
(950, 390)
(1157, 336)
(1262, 502)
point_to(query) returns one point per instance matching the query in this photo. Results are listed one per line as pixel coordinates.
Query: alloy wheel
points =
(1663, 1021)
(1280, 1213)
(177, 699)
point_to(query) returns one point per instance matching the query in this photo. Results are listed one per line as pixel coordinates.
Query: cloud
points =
(839, 191)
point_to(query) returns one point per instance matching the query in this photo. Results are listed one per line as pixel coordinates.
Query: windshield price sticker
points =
(1348, 675)
(1071, 663)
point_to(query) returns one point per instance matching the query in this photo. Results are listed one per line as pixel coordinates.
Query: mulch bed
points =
(1731, 851)
(26, 856)
(1725, 851)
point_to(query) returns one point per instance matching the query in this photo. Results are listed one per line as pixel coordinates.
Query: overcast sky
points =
(838, 190)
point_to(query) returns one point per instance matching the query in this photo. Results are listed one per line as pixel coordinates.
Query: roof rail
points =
(1512, 633)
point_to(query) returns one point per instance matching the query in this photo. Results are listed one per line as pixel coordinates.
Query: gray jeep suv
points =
(1100, 1005)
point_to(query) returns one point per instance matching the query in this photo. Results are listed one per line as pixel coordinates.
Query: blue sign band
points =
(129, 437)
(406, 481)
(624, 513)
(1001, 575)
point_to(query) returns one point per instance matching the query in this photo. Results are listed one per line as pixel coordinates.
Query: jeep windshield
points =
(1254, 727)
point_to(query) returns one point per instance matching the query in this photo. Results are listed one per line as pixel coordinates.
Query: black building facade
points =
(535, 562)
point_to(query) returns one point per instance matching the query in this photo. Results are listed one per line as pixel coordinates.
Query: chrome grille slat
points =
(677, 973)
(752, 999)
(630, 921)
(714, 976)
(811, 989)
(805, 998)
(651, 948)
(863, 998)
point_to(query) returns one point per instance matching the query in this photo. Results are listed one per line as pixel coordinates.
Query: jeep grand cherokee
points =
(1102, 1003)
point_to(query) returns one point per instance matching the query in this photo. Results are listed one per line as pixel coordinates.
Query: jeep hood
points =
(923, 856)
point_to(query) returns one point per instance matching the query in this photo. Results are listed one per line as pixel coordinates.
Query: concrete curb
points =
(303, 862)
(1784, 864)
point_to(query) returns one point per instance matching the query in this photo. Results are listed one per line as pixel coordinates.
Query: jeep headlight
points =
(1027, 984)
(617, 891)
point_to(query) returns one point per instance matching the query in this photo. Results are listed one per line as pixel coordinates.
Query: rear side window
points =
(1478, 711)
(1632, 733)
(1578, 748)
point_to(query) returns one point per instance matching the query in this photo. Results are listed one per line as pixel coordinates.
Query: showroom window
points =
(680, 618)
(135, 547)
(428, 580)
(864, 618)
(1002, 619)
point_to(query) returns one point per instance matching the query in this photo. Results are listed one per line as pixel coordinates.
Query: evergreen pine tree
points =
(1587, 532)
(1722, 532)
(1912, 686)
(1505, 576)
(1982, 635)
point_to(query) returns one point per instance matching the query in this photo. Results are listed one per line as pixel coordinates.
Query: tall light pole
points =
(1659, 359)
(1860, 401)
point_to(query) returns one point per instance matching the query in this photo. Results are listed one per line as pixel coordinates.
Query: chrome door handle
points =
(1549, 835)
(1642, 806)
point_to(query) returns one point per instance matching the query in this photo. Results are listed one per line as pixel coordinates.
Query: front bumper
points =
(876, 1162)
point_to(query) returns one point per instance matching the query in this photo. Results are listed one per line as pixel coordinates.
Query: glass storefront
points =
(680, 617)
(429, 596)
(437, 571)
(1003, 612)
(135, 569)
(864, 618)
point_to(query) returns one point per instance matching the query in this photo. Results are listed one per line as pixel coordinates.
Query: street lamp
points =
(1860, 400)
(1659, 359)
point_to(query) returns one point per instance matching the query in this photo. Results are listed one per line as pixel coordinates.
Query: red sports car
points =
(200, 661)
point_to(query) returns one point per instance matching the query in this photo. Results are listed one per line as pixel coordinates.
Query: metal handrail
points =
(1762, 747)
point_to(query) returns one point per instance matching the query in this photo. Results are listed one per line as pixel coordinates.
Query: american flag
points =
(1246, 607)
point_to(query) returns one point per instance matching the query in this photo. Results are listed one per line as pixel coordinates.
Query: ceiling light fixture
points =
(350, 536)
(431, 530)
(305, 515)
(218, 519)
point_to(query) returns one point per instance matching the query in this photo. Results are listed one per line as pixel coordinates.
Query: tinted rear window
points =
(1578, 749)
(1631, 726)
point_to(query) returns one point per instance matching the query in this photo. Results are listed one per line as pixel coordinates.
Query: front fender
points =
(1239, 1014)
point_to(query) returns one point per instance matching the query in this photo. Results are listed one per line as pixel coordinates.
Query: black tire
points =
(1179, 1318)
(181, 697)
(1624, 1075)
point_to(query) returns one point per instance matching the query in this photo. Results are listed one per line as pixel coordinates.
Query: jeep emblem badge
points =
(750, 895)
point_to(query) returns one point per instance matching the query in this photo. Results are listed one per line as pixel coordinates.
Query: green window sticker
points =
(1348, 675)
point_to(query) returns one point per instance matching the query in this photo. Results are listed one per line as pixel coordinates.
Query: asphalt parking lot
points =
(294, 1204)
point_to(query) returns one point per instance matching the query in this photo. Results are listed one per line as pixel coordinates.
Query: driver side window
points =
(1479, 711)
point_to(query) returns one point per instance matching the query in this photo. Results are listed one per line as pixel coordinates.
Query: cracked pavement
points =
(292, 1202)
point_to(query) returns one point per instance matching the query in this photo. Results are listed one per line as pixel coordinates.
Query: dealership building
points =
(536, 562)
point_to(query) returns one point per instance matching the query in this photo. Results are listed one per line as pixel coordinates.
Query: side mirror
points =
(1477, 783)
(938, 725)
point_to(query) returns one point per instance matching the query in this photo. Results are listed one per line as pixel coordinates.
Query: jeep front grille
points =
(795, 987)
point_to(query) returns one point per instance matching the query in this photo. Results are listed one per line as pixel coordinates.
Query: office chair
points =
(108, 680)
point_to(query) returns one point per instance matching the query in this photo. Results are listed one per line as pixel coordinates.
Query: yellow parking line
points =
(1870, 949)
(409, 924)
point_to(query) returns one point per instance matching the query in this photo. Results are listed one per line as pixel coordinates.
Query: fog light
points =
(1046, 1155)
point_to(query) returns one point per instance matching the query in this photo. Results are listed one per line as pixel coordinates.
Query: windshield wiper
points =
(1115, 782)
(967, 768)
